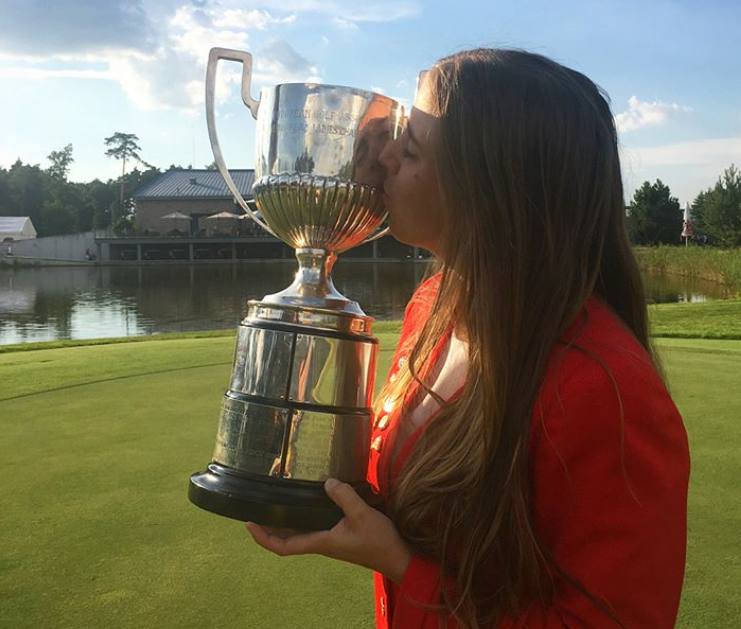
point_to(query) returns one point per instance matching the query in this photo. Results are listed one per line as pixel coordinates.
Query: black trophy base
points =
(299, 505)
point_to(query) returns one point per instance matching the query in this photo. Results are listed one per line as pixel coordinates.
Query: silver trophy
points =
(298, 407)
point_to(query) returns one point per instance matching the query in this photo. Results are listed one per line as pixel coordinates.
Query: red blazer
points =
(618, 526)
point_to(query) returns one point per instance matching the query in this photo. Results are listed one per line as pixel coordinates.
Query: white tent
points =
(16, 228)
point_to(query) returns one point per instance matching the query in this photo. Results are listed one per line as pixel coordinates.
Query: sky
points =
(76, 71)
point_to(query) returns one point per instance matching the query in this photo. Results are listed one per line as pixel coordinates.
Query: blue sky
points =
(76, 71)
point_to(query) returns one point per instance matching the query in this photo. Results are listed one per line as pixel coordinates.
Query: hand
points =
(365, 536)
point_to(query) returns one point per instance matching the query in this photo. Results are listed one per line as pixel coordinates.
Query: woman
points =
(533, 467)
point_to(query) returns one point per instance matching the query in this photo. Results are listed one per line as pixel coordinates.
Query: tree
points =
(697, 211)
(27, 188)
(60, 162)
(103, 199)
(655, 216)
(719, 209)
(211, 166)
(124, 146)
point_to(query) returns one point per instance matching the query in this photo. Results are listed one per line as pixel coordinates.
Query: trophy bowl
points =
(298, 407)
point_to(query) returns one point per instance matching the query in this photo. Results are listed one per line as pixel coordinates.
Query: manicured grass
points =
(704, 381)
(710, 319)
(97, 445)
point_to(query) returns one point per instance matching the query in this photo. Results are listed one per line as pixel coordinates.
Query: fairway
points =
(97, 445)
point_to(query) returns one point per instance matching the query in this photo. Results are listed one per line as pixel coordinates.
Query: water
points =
(41, 304)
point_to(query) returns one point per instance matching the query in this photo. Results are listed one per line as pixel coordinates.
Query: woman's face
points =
(411, 188)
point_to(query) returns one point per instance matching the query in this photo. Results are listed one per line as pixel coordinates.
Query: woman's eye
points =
(406, 153)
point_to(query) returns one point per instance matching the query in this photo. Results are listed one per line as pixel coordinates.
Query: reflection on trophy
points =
(297, 409)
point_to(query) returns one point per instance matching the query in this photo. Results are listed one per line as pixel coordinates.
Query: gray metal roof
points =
(196, 184)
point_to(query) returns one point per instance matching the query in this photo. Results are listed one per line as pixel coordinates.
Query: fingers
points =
(299, 544)
(346, 498)
(280, 532)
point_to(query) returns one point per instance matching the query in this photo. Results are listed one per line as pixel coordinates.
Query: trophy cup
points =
(298, 406)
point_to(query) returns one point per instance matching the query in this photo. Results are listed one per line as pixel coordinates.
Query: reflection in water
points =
(86, 302)
(41, 304)
(662, 288)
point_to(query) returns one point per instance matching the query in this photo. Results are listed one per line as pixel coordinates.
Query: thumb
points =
(345, 497)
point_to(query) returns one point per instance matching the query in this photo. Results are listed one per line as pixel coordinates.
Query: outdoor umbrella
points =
(222, 220)
(175, 216)
(222, 216)
(178, 220)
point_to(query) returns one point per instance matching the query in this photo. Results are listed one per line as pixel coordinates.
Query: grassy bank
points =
(712, 319)
(99, 440)
(708, 263)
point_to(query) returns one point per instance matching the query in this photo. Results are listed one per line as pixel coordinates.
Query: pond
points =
(40, 304)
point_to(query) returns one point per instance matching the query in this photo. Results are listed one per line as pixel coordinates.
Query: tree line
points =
(654, 215)
(58, 206)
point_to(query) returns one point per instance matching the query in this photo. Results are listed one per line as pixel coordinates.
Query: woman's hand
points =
(365, 536)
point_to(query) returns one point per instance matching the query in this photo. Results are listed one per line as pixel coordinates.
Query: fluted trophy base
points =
(263, 500)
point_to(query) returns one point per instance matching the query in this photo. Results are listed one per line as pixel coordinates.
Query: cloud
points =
(22, 72)
(693, 153)
(381, 11)
(170, 75)
(345, 24)
(687, 167)
(346, 11)
(157, 49)
(644, 114)
(279, 62)
(38, 28)
(249, 19)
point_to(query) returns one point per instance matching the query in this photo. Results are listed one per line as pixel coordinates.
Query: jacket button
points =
(383, 606)
(382, 422)
(377, 444)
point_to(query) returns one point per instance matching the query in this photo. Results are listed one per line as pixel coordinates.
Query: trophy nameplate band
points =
(252, 439)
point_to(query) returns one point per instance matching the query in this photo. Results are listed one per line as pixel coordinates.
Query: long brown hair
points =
(528, 169)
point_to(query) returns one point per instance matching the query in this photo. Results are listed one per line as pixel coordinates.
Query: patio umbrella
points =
(222, 216)
(222, 222)
(177, 220)
(175, 216)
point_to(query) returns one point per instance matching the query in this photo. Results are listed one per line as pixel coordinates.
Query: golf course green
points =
(98, 441)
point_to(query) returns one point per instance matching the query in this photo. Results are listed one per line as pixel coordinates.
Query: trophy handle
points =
(246, 60)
